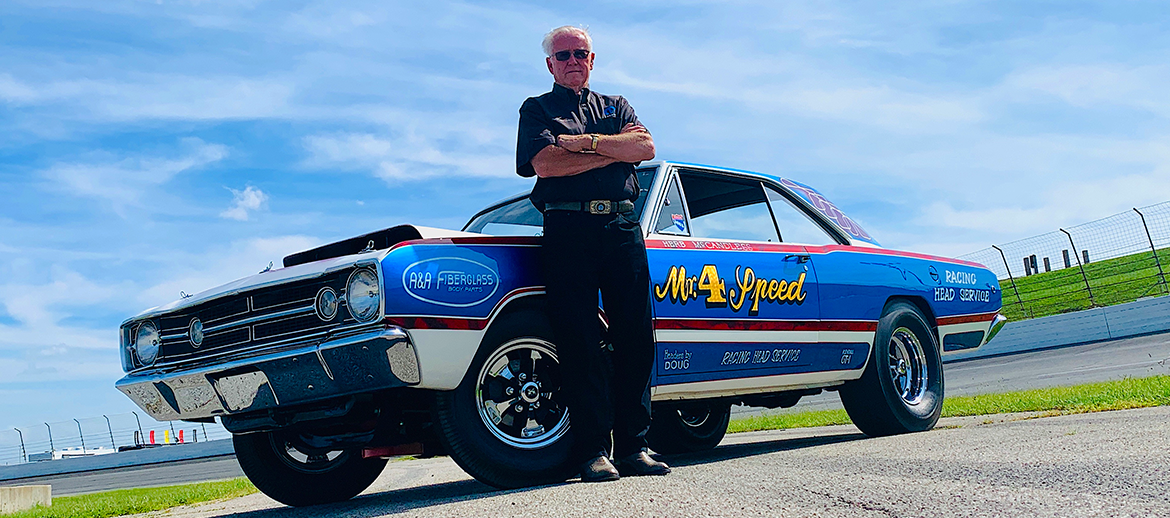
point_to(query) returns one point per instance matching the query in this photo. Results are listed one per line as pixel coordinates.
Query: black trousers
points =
(582, 254)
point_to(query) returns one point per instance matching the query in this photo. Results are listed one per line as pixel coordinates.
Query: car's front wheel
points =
(293, 474)
(901, 390)
(696, 426)
(507, 424)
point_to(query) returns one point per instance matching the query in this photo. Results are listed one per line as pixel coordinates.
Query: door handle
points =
(800, 258)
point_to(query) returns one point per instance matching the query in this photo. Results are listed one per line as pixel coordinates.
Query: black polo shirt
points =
(560, 112)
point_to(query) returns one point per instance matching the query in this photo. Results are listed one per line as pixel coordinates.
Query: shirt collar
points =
(568, 94)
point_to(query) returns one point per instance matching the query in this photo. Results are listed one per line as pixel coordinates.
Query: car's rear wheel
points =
(293, 474)
(901, 390)
(696, 426)
(506, 424)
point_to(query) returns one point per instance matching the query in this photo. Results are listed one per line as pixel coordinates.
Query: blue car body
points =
(732, 316)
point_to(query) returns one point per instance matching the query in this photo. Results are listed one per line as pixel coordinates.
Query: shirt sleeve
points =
(534, 135)
(626, 112)
(626, 115)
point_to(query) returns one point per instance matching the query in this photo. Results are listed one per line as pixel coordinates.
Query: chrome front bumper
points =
(365, 362)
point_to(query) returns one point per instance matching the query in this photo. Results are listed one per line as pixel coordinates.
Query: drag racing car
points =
(415, 340)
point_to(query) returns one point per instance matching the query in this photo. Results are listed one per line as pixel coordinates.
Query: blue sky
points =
(153, 147)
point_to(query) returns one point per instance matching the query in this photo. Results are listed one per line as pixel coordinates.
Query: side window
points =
(794, 225)
(672, 219)
(727, 208)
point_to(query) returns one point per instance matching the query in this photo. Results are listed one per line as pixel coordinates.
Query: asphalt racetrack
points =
(1101, 464)
(772, 473)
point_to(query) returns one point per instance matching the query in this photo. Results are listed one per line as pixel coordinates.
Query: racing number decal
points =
(681, 288)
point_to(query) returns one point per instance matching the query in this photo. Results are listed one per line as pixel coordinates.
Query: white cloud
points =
(402, 159)
(51, 336)
(835, 99)
(249, 199)
(196, 272)
(64, 327)
(122, 182)
(154, 96)
(14, 91)
(1103, 84)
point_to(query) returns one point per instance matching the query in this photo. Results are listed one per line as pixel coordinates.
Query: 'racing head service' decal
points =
(681, 287)
(830, 211)
(450, 281)
(966, 290)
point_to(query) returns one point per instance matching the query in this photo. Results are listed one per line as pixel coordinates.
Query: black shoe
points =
(599, 470)
(640, 464)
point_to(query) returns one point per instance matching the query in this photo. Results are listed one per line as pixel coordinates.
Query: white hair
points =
(547, 44)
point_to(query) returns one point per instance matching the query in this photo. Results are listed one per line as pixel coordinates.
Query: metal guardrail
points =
(1121, 258)
(96, 436)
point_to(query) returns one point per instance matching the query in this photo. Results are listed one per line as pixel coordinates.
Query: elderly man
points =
(583, 146)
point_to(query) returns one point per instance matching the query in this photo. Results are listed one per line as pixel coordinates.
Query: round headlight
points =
(146, 342)
(327, 302)
(362, 295)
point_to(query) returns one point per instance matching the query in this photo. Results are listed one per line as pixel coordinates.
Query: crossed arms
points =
(632, 144)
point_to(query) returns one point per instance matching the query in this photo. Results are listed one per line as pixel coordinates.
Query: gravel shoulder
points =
(1099, 464)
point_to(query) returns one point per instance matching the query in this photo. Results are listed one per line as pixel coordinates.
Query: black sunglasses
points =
(564, 54)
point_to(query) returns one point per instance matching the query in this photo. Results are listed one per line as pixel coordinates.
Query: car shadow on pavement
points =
(392, 501)
(750, 449)
(407, 499)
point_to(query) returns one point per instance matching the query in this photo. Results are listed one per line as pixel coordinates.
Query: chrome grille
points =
(251, 319)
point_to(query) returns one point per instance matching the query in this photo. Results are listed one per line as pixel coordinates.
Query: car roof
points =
(756, 174)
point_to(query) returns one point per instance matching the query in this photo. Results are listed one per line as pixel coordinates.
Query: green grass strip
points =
(134, 501)
(1092, 397)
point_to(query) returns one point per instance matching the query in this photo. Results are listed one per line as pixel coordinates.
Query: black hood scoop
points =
(379, 240)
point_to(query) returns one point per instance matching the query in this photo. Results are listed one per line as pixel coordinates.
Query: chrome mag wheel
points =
(907, 366)
(297, 460)
(694, 419)
(517, 394)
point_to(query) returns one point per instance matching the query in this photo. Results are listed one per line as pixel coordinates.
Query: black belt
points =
(592, 207)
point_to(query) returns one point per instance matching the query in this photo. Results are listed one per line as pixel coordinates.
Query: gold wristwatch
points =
(595, 138)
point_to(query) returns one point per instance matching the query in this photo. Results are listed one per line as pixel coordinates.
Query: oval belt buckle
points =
(599, 207)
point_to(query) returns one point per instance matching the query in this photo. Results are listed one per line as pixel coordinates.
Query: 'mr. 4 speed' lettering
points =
(747, 292)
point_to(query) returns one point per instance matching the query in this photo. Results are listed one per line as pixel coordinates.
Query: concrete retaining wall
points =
(196, 450)
(13, 499)
(1091, 325)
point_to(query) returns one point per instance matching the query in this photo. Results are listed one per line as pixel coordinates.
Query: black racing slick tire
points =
(901, 390)
(506, 424)
(694, 427)
(283, 472)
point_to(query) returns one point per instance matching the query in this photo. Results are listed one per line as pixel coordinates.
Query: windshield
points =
(520, 218)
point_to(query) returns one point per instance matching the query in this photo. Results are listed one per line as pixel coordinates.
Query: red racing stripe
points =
(766, 325)
(464, 324)
(967, 319)
(485, 240)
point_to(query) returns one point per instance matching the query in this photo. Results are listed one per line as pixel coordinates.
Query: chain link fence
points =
(1121, 258)
(98, 436)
